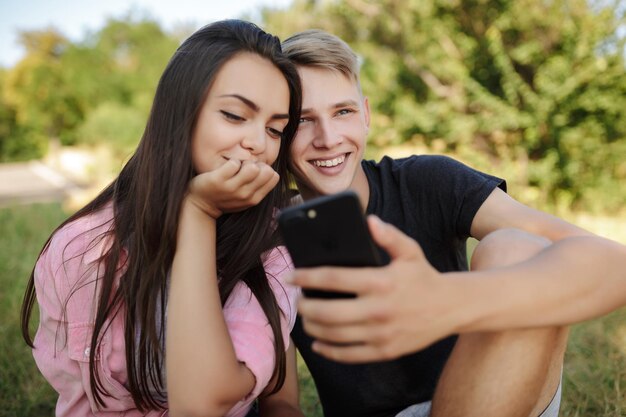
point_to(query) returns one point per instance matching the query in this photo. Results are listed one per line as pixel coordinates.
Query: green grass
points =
(595, 368)
(23, 230)
(309, 401)
(594, 374)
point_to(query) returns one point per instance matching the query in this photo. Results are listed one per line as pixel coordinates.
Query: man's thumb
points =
(396, 243)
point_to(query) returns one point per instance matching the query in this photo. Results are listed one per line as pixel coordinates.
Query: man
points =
(382, 362)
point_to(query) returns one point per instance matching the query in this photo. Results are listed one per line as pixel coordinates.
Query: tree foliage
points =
(531, 89)
(63, 90)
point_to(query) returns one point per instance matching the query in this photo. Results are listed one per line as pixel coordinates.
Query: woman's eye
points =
(232, 116)
(303, 120)
(275, 133)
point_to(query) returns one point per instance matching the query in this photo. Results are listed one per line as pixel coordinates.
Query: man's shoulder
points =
(413, 161)
(423, 166)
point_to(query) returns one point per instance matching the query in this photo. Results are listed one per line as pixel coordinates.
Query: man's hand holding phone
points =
(399, 308)
(329, 231)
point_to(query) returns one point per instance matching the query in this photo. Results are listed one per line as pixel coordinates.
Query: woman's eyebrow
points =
(245, 101)
(253, 105)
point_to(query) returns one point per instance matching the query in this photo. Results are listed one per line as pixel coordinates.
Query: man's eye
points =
(344, 112)
(232, 116)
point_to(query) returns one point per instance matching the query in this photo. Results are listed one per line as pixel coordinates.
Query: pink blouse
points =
(65, 282)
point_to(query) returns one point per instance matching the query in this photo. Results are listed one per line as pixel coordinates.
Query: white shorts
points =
(423, 409)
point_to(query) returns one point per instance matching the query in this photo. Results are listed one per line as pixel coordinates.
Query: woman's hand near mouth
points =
(234, 186)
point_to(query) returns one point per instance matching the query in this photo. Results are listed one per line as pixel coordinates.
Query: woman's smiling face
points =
(243, 115)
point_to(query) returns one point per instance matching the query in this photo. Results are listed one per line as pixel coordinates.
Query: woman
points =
(194, 202)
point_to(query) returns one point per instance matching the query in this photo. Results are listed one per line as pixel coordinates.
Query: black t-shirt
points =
(433, 199)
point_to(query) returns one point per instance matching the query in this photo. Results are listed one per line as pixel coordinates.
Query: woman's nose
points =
(255, 142)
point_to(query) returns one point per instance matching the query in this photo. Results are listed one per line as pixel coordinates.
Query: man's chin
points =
(330, 189)
(310, 189)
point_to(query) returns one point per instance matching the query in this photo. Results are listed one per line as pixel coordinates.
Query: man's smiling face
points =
(327, 150)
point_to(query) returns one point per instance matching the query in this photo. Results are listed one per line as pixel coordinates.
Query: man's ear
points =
(366, 111)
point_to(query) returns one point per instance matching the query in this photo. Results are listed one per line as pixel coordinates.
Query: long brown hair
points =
(147, 197)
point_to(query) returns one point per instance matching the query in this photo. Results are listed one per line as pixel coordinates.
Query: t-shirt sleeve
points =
(471, 188)
(456, 189)
(249, 328)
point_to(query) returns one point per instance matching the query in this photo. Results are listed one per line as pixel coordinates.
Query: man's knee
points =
(506, 247)
(519, 370)
(524, 342)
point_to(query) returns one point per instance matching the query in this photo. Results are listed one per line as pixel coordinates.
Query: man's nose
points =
(326, 135)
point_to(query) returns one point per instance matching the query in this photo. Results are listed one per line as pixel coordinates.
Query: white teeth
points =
(330, 162)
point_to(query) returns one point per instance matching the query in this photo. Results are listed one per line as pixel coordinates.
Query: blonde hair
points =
(316, 48)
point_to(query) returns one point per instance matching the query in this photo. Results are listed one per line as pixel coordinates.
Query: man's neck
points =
(359, 185)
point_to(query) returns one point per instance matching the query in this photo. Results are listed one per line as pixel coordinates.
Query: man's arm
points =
(579, 277)
(501, 211)
(284, 403)
(408, 305)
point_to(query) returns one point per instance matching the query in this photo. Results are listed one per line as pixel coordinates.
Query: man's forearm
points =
(575, 279)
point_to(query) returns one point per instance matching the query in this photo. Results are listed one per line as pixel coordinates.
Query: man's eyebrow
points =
(253, 105)
(346, 103)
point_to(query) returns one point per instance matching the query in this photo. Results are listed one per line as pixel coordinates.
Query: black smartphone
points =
(328, 231)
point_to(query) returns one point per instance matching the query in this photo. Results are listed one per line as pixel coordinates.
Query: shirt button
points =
(87, 351)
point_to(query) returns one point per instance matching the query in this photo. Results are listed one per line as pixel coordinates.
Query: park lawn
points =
(594, 372)
(23, 230)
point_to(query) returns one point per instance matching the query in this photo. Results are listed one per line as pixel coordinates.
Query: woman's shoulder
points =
(66, 273)
(277, 265)
(278, 262)
(81, 239)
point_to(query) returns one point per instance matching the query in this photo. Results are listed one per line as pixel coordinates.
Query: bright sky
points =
(74, 17)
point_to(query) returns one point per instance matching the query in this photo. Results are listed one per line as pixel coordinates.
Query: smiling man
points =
(327, 156)
(390, 349)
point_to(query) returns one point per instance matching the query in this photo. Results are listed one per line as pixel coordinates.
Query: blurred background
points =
(530, 90)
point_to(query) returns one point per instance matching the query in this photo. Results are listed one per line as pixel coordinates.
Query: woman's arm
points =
(284, 403)
(200, 354)
(204, 375)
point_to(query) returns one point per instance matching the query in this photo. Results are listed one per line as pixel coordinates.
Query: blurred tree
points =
(117, 125)
(44, 105)
(137, 50)
(59, 86)
(16, 142)
(532, 90)
(536, 87)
